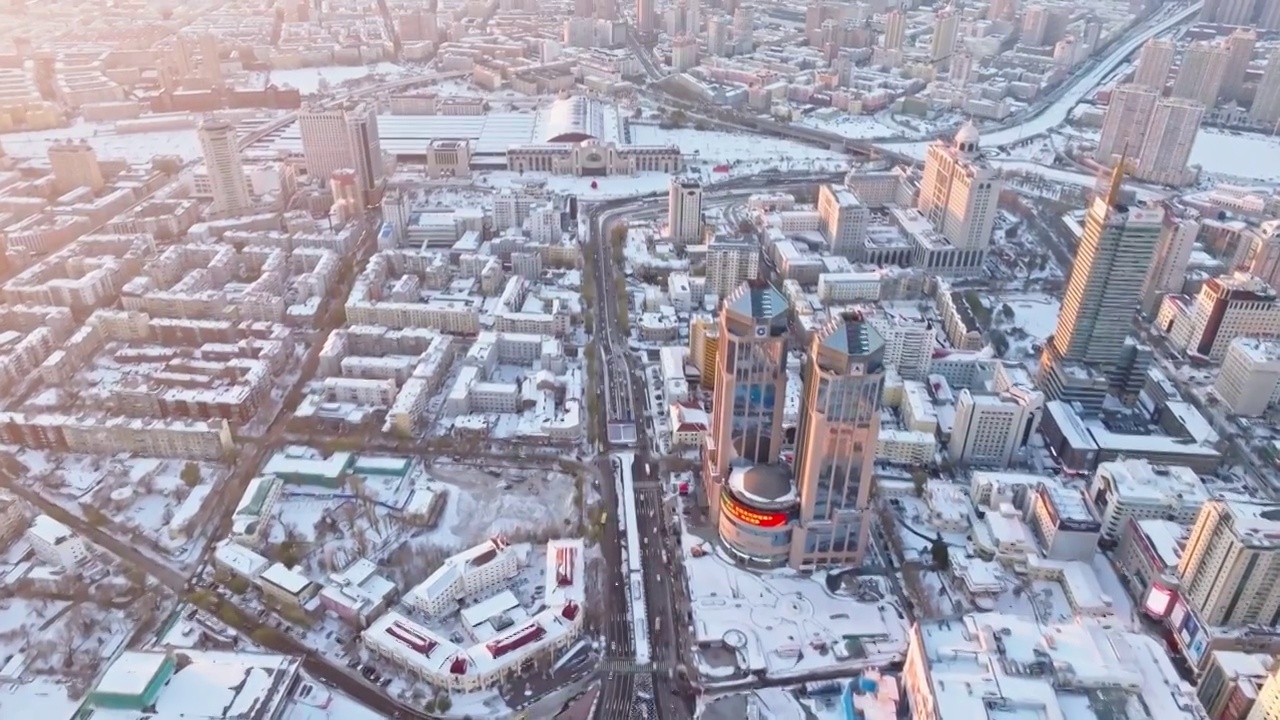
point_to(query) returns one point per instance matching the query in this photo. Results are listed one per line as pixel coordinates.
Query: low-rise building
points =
(358, 594)
(55, 543)
(1142, 490)
(1064, 524)
(253, 513)
(286, 586)
(476, 571)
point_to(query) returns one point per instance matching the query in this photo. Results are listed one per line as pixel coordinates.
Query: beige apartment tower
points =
(1124, 127)
(226, 173)
(1230, 567)
(75, 165)
(1154, 63)
(836, 443)
(1200, 76)
(684, 210)
(1167, 144)
(1266, 101)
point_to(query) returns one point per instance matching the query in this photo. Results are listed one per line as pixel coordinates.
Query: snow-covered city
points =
(673, 360)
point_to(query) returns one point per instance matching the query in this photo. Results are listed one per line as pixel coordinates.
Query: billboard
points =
(1193, 638)
(751, 516)
(1159, 602)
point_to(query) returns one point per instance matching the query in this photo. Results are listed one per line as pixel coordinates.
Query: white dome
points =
(967, 135)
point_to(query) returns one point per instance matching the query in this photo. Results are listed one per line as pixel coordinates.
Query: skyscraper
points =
(646, 16)
(1229, 565)
(946, 27)
(210, 60)
(1154, 63)
(221, 151)
(1239, 53)
(744, 24)
(345, 137)
(1124, 127)
(684, 210)
(843, 219)
(1169, 270)
(1101, 297)
(895, 30)
(836, 442)
(749, 496)
(1200, 75)
(1266, 102)
(1166, 147)
(959, 194)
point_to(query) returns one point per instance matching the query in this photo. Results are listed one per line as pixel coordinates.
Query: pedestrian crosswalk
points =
(629, 666)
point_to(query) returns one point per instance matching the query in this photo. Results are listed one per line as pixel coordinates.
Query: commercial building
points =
(358, 593)
(1132, 489)
(1228, 307)
(1232, 681)
(1249, 382)
(1082, 442)
(226, 173)
(160, 683)
(836, 441)
(684, 210)
(1063, 523)
(956, 669)
(1231, 562)
(1169, 270)
(253, 513)
(507, 639)
(1105, 286)
(990, 428)
(958, 196)
(344, 138)
(1147, 556)
(844, 219)
(476, 571)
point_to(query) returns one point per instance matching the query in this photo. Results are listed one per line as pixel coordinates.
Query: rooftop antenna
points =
(1117, 177)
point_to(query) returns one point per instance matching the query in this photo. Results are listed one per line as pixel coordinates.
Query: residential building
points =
(895, 29)
(1200, 76)
(1124, 126)
(1266, 101)
(1240, 45)
(239, 561)
(1267, 704)
(684, 210)
(684, 53)
(1249, 382)
(12, 518)
(1127, 489)
(75, 165)
(729, 263)
(221, 150)
(844, 219)
(959, 194)
(56, 544)
(1231, 681)
(1166, 147)
(646, 16)
(1263, 258)
(1169, 267)
(1154, 63)
(1231, 564)
(946, 29)
(836, 442)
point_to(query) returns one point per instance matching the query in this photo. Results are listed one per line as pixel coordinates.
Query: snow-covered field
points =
(1239, 155)
(713, 147)
(308, 80)
(133, 147)
(787, 625)
(855, 127)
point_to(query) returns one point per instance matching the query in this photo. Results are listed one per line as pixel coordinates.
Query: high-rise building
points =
(1239, 54)
(1169, 269)
(729, 264)
(584, 8)
(1263, 258)
(1124, 127)
(684, 53)
(1200, 75)
(75, 165)
(961, 69)
(750, 497)
(1101, 297)
(836, 443)
(210, 59)
(1227, 307)
(1266, 101)
(1248, 384)
(1266, 706)
(684, 210)
(990, 428)
(959, 194)
(693, 17)
(646, 16)
(1166, 146)
(1230, 564)
(946, 28)
(221, 150)
(718, 34)
(1240, 13)
(744, 24)
(1035, 26)
(895, 30)
(1154, 63)
(1002, 10)
(843, 219)
(1268, 15)
(345, 137)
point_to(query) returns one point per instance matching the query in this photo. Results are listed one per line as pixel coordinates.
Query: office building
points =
(730, 262)
(1169, 268)
(345, 137)
(1249, 382)
(221, 151)
(684, 210)
(895, 29)
(1240, 45)
(990, 428)
(1266, 101)
(1035, 27)
(1154, 63)
(744, 24)
(946, 29)
(1063, 523)
(959, 195)
(646, 16)
(74, 165)
(684, 53)
(1124, 126)
(1137, 489)
(843, 219)
(1166, 147)
(1200, 76)
(1263, 258)
(1102, 293)
(1231, 563)
(1227, 307)
(836, 442)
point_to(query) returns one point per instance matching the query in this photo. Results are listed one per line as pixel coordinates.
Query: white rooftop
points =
(1139, 481)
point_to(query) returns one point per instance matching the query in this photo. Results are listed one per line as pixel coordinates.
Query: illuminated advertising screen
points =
(751, 516)
(1159, 602)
